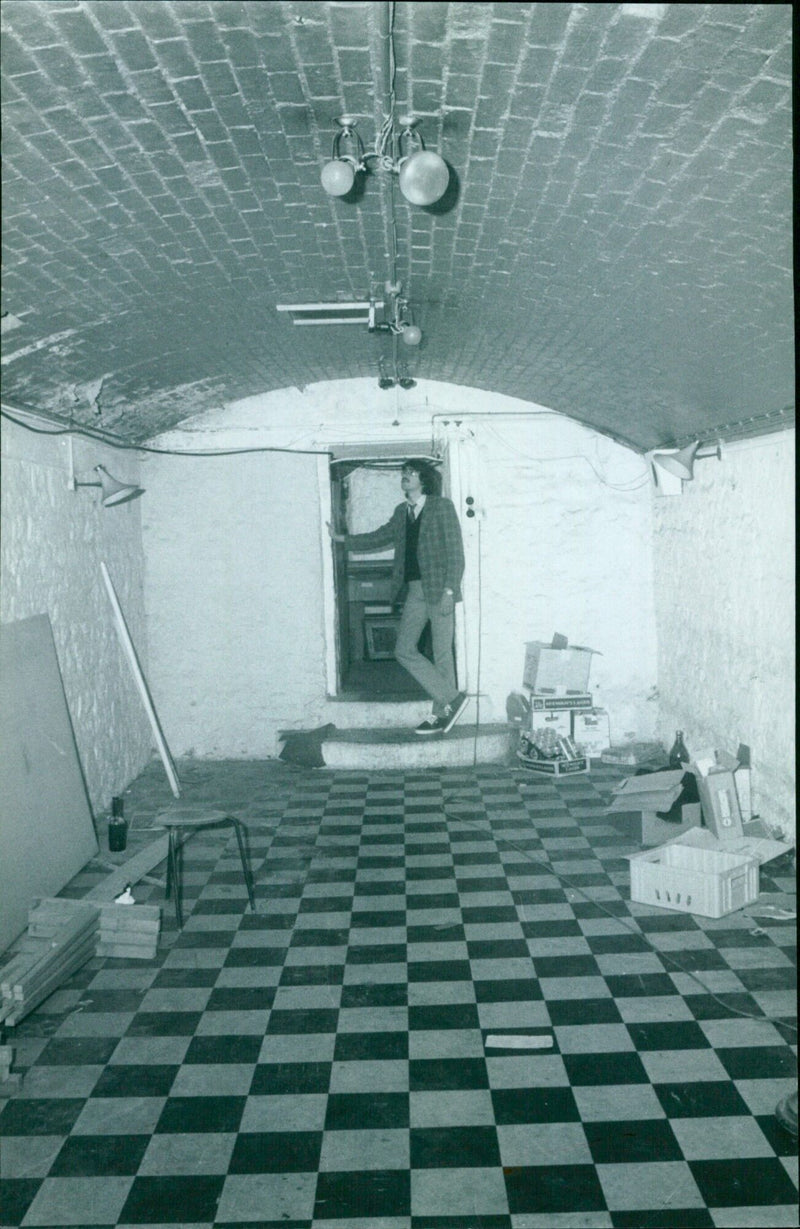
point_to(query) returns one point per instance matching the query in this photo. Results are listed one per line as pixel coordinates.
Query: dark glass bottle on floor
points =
(678, 756)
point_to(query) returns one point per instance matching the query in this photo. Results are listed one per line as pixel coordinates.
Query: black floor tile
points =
(365, 1111)
(757, 1062)
(164, 1024)
(189, 1115)
(140, 1080)
(448, 1015)
(276, 1152)
(508, 990)
(77, 1051)
(745, 1181)
(700, 1099)
(554, 1188)
(583, 1011)
(530, 1105)
(608, 1068)
(172, 1199)
(664, 1218)
(670, 1035)
(244, 1048)
(382, 994)
(98, 1155)
(18, 1195)
(365, 1046)
(447, 1073)
(365, 1194)
(459, 1147)
(290, 1078)
(632, 1141)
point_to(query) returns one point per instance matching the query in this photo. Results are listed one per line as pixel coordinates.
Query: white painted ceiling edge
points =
(355, 410)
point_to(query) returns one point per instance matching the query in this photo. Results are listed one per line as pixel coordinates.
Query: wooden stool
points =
(186, 817)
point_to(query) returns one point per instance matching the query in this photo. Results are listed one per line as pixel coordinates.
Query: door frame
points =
(331, 629)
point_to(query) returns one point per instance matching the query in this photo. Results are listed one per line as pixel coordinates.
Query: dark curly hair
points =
(430, 478)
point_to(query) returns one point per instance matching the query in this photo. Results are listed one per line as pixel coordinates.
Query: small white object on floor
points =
(126, 897)
(513, 1041)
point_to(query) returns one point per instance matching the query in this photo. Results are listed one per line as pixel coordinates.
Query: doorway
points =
(364, 492)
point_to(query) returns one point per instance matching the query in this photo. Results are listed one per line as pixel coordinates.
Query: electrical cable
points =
(124, 446)
(640, 481)
(633, 928)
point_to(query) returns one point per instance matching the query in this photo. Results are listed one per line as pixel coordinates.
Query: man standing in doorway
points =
(428, 565)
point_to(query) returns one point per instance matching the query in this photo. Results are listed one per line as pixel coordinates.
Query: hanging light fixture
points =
(400, 324)
(384, 380)
(422, 174)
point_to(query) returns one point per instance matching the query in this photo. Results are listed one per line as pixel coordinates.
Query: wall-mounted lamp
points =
(681, 464)
(114, 491)
(423, 176)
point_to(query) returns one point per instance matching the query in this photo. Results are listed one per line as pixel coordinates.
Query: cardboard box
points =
(554, 768)
(655, 831)
(653, 793)
(694, 874)
(558, 724)
(721, 780)
(558, 704)
(591, 732)
(633, 754)
(555, 668)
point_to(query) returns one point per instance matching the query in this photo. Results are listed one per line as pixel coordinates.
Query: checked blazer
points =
(440, 550)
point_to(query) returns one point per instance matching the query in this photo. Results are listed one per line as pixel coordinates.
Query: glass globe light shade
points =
(337, 177)
(424, 177)
(412, 335)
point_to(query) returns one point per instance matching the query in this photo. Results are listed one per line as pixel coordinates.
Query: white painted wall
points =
(725, 612)
(52, 542)
(233, 555)
(235, 547)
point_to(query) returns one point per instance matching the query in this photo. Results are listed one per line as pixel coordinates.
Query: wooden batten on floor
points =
(64, 934)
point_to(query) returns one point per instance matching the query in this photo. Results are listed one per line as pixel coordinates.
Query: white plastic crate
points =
(710, 882)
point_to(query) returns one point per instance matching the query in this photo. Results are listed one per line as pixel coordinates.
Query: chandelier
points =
(423, 176)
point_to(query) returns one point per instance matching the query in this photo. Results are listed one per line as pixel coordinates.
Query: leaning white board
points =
(141, 684)
(46, 829)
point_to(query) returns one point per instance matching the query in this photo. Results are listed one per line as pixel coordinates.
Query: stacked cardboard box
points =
(565, 729)
(665, 801)
(711, 870)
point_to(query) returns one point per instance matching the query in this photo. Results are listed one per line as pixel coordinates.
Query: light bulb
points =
(424, 177)
(411, 335)
(337, 177)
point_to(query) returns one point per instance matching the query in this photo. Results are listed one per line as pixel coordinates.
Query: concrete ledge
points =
(394, 748)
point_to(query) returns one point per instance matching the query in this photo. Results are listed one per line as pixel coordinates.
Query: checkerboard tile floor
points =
(323, 1063)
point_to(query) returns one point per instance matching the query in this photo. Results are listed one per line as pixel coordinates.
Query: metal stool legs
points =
(248, 878)
(175, 862)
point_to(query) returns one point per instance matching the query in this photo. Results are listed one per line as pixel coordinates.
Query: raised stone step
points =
(464, 745)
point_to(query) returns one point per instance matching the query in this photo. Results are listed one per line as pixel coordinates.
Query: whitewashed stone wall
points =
(234, 549)
(725, 612)
(53, 541)
(233, 553)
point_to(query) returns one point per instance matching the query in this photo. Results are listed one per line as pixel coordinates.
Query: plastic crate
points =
(709, 882)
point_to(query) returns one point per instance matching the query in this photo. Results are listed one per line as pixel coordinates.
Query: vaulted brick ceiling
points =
(615, 242)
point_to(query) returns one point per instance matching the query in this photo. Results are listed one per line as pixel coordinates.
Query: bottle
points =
(117, 826)
(678, 755)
